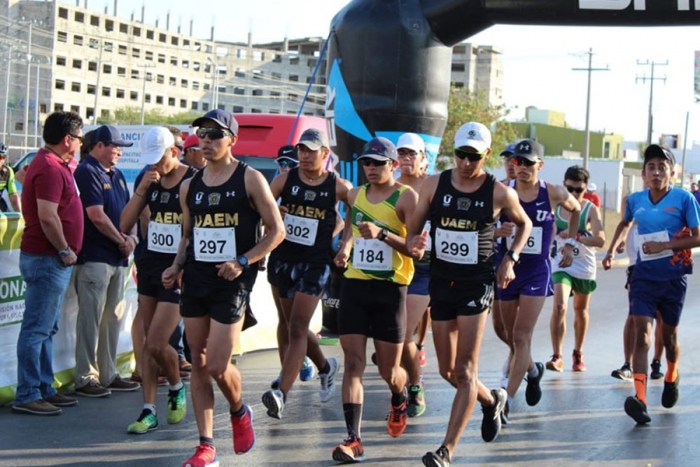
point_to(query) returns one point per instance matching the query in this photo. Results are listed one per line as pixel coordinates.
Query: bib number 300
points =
(371, 255)
(163, 238)
(214, 245)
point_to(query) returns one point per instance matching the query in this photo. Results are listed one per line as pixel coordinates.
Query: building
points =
(95, 63)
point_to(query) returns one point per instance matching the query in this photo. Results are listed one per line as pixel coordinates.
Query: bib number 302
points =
(300, 229)
(214, 245)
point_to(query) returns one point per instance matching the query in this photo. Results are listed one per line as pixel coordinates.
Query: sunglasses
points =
(79, 138)
(471, 156)
(193, 148)
(517, 160)
(407, 154)
(213, 133)
(180, 147)
(573, 189)
(373, 162)
(287, 164)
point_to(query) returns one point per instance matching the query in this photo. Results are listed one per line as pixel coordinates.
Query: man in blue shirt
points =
(102, 263)
(668, 226)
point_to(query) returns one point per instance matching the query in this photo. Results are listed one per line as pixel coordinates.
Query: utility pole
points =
(644, 78)
(28, 82)
(145, 67)
(100, 45)
(215, 83)
(587, 137)
(6, 134)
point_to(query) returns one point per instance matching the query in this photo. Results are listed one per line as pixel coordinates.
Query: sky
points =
(537, 60)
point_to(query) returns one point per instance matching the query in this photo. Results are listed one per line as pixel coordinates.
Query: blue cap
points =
(223, 118)
(379, 149)
(508, 151)
(109, 134)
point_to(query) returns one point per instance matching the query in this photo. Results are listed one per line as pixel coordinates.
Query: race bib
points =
(371, 255)
(653, 237)
(214, 244)
(457, 247)
(428, 237)
(533, 246)
(300, 230)
(164, 238)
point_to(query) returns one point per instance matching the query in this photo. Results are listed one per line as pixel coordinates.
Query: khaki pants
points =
(100, 289)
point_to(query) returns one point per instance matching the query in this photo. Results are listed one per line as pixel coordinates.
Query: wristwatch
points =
(243, 261)
(570, 241)
(383, 234)
(513, 255)
(64, 253)
(135, 238)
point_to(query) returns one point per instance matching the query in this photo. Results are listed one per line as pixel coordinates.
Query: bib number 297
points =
(213, 245)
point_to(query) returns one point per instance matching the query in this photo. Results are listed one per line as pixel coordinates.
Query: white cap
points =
(411, 141)
(475, 135)
(154, 143)
(592, 186)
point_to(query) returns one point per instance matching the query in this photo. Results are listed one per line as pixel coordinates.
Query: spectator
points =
(99, 276)
(194, 156)
(53, 236)
(694, 190)
(7, 182)
(591, 195)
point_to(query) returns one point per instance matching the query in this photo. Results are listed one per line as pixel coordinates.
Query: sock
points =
(176, 387)
(326, 368)
(640, 386)
(398, 398)
(238, 413)
(353, 417)
(151, 407)
(672, 372)
(205, 440)
(534, 373)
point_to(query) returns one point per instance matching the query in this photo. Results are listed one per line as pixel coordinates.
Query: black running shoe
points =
(491, 423)
(656, 372)
(624, 373)
(439, 458)
(505, 412)
(637, 410)
(671, 393)
(533, 392)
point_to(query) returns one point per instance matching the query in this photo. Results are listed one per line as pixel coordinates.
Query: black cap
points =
(657, 151)
(109, 134)
(223, 118)
(288, 152)
(379, 148)
(529, 149)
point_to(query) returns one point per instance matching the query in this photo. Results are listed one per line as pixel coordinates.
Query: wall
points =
(557, 140)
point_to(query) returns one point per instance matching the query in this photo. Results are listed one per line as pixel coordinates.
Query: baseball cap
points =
(288, 152)
(657, 151)
(109, 134)
(411, 141)
(529, 149)
(592, 186)
(191, 141)
(154, 143)
(475, 135)
(379, 149)
(508, 151)
(313, 139)
(223, 118)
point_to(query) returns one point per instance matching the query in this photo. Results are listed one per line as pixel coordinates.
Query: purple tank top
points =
(539, 211)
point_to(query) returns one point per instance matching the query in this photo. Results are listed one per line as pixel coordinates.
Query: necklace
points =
(311, 179)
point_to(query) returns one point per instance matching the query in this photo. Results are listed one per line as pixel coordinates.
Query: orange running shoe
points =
(579, 364)
(556, 363)
(398, 417)
(204, 456)
(350, 451)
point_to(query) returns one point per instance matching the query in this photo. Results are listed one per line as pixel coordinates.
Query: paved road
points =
(580, 420)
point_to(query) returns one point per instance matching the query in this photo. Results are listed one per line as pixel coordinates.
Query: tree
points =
(464, 107)
(132, 116)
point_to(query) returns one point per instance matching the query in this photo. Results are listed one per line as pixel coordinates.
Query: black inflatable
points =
(389, 61)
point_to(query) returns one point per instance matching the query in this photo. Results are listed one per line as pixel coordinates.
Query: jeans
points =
(176, 339)
(46, 279)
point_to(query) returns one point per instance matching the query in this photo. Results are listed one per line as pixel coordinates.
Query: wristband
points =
(64, 253)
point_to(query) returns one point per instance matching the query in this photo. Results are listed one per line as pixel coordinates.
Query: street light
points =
(215, 83)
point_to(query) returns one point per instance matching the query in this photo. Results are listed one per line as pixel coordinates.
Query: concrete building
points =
(62, 56)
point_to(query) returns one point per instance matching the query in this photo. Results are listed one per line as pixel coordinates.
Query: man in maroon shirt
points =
(52, 238)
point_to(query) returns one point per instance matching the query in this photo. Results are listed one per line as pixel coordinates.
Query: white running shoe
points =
(328, 380)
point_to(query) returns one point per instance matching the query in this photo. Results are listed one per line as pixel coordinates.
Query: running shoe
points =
(398, 417)
(671, 392)
(273, 400)
(556, 363)
(579, 364)
(350, 450)
(177, 405)
(624, 373)
(146, 422)
(328, 380)
(491, 423)
(439, 458)
(204, 456)
(307, 371)
(421, 358)
(243, 434)
(275, 384)
(373, 357)
(533, 392)
(656, 372)
(637, 410)
(505, 412)
(416, 400)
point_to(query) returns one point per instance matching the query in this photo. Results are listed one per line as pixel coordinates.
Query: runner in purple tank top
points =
(522, 301)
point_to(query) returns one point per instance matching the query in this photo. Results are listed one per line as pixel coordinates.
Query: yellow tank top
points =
(374, 259)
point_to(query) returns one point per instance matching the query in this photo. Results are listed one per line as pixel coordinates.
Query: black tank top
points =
(164, 228)
(310, 221)
(462, 227)
(224, 226)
